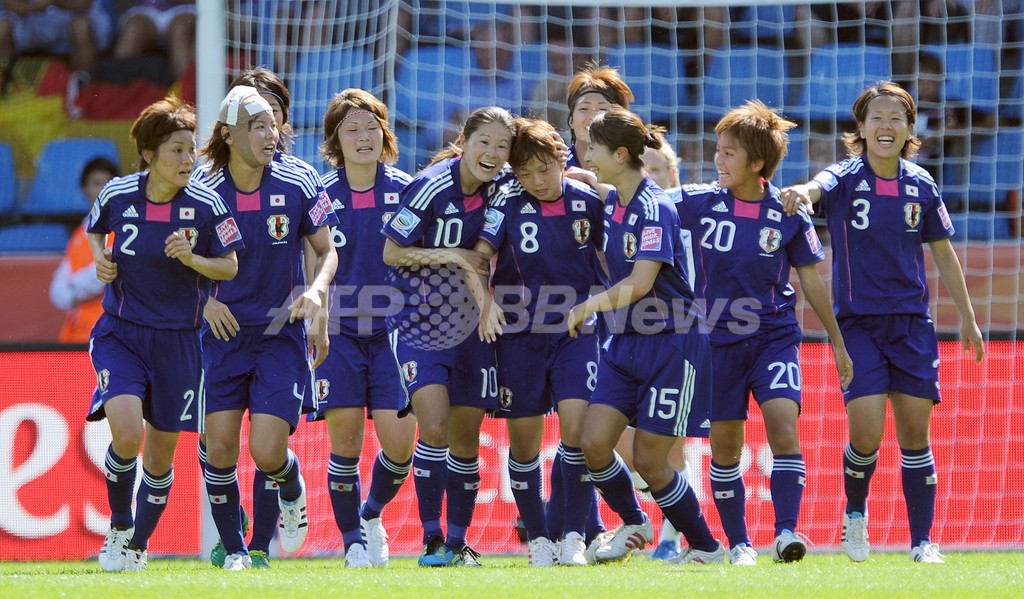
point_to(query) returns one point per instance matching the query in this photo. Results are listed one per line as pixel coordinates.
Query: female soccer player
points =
(255, 346)
(360, 372)
(657, 368)
(881, 209)
(264, 491)
(433, 244)
(173, 236)
(593, 90)
(545, 229)
(745, 247)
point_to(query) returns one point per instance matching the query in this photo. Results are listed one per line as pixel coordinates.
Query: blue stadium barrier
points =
(742, 73)
(838, 75)
(319, 74)
(33, 238)
(972, 75)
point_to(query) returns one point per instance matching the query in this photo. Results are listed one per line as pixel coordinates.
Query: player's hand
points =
(583, 176)
(792, 197)
(970, 336)
(222, 322)
(178, 247)
(106, 270)
(492, 319)
(473, 261)
(844, 365)
(561, 150)
(319, 340)
(577, 316)
(305, 306)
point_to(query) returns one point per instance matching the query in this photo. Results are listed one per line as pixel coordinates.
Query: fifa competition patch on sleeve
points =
(318, 213)
(404, 222)
(227, 232)
(650, 239)
(946, 222)
(812, 240)
(492, 221)
(94, 213)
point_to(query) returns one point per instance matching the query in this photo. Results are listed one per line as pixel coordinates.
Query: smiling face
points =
(171, 165)
(587, 107)
(735, 170)
(484, 153)
(885, 131)
(604, 162)
(542, 179)
(361, 137)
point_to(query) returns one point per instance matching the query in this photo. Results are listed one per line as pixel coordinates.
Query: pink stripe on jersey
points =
(248, 202)
(473, 202)
(556, 208)
(158, 213)
(363, 199)
(887, 187)
(619, 214)
(747, 209)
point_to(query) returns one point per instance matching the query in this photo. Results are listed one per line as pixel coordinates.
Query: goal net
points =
(434, 61)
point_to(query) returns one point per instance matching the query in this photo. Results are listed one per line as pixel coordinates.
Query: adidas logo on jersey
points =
(721, 207)
(337, 205)
(528, 209)
(451, 209)
(131, 212)
(863, 186)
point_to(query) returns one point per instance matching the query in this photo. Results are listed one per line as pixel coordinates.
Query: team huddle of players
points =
(512, 276)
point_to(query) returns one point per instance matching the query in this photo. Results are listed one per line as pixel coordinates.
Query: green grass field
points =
(889, 575)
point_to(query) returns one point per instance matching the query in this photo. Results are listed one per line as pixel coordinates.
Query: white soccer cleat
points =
(237, 562)
(294, 525)
(696, 556)
(356, 557)
(599, 541)
(743, 555)
(855, 536)
(111, 558)
(543, 553)
(376, 542)
(927, 553)
(573, 550)
(134, 559)
(625, 539)
(789, 547)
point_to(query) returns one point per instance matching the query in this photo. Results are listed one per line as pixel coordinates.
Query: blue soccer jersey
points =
(878, 227)
(289, 204)
(743, 254)
(648, 229)
(547, 252)
(359, 293)
(436, 306)
(152, 289)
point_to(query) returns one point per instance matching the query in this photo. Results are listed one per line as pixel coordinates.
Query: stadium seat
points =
(972, 76)
(795, 167)
(8, 182)
(319, 74)
(428, 81)
(838, 75)
(765, 25)
(55, 191)
(742, 73)
(656, 78)
(33, 238)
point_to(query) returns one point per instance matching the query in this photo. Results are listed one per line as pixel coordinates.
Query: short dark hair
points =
(101, 164)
